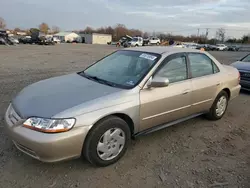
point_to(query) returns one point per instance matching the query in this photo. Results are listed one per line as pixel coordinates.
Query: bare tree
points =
(17, 30)
(44, 28)
(145, 35)
(55, 29)
(88, 30)
(2, 23)
(221, 34)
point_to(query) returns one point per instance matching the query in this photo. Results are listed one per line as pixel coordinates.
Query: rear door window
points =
(201, 65)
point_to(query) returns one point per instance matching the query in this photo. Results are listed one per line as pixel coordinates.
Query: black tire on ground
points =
(136, 45)
(211, 115)
(90, 145)
(157, 43)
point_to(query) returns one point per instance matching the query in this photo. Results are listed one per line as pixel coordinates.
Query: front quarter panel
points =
(130, 109)
(87, 114)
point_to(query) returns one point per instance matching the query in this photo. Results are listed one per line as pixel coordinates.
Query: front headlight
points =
(49, 125)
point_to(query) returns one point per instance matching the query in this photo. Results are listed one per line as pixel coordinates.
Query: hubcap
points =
(111, 144)
(221, 106)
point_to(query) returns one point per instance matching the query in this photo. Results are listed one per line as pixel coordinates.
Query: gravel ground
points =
(197, 153)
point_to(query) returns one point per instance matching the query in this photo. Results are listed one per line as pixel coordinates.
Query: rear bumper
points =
(235, 91)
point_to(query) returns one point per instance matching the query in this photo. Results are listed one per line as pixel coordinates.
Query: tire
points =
(96, 136)
(136, 45)
(212, 114)
(157, 43)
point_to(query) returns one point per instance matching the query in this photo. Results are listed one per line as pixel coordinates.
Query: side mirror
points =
(158, 82)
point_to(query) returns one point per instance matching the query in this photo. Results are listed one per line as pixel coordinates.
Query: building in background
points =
(67, 36)
(96, 38)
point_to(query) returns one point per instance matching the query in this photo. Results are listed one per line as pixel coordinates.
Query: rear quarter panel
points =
(231, 80)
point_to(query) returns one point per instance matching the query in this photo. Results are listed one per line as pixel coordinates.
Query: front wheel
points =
(107, 142)
(219, 106)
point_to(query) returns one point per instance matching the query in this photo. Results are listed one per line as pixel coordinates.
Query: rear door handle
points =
(185, 92)
(218, 84)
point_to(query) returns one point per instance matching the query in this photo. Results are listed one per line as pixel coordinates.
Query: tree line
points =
(121, 30)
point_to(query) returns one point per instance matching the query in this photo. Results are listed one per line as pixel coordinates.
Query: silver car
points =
(95, 112)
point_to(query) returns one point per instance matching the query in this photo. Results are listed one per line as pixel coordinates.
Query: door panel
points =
(161, 105)
(164, 104)
(205, 81)
(204, 89)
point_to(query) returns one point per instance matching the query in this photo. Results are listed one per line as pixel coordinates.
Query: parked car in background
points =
(154, 41)
(243, 65)
(206, 47)
(233, 48)
(14, 40)
(179, 45)
(213, 47)
(45, 41)
(126, 94)
(56, 40)
(5, 39)
(2, 41)
(191, 46)
(124, 41)
(25, 40)
(136, 42)
(222, 47)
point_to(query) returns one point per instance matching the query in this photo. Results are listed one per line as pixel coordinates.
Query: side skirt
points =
(159, 127)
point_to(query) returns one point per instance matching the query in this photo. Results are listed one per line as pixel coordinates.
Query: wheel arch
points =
(122, 116)
(227, 90)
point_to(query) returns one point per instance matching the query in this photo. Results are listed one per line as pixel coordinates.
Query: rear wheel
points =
(107, 142)
(219, 106)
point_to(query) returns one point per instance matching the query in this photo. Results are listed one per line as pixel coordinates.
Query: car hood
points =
(241, 65)
(49, 97)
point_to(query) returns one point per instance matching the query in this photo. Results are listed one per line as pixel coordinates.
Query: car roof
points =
(162, 49)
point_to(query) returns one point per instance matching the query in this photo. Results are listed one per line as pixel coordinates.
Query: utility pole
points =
(207, 32)
(198, 34)
(206, 35)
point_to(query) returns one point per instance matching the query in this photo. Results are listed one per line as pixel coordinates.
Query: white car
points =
(154, 41)
(221, 47)
(14, 40)
(179, 46)
(136, 42)
(56, 40)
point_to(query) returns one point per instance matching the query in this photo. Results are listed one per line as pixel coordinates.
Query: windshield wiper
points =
(95, 78)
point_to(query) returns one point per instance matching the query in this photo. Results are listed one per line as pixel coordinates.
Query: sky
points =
(168, 16)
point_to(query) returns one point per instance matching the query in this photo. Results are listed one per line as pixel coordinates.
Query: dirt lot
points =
(197, 153)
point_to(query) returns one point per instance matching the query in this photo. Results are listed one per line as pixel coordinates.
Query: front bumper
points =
(245, 85)
(46, 147)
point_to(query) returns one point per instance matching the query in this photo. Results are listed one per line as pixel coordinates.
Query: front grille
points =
(245, 75)
(14, 118)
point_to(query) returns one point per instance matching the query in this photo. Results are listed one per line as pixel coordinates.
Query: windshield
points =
(124, 69)
(246, 59)
(135, 39)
